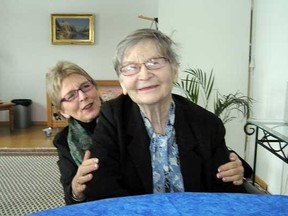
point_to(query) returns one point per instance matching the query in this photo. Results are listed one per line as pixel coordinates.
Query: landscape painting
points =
(72, 28)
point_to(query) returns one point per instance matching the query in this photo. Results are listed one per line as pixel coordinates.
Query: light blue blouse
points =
(167, 176)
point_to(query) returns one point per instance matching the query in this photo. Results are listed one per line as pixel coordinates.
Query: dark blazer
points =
(68, 168)
(122, 145)
(66, 164)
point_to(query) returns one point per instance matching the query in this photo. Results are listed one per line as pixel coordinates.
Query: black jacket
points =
(66, 164)
(121, 143)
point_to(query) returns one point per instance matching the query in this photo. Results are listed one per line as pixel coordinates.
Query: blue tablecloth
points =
(179, 204)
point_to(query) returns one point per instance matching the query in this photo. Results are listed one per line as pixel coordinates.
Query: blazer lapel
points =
(188, 143)
(138, 147)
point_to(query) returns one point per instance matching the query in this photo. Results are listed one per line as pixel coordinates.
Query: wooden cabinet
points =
(108, 89)
(54, 119)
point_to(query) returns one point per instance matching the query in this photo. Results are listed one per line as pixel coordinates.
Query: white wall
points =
(268, 82)
(213, 35)
(270, 51)
(26, 53)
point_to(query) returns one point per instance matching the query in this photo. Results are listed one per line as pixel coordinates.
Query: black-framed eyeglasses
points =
(150, 64)
(72, 95)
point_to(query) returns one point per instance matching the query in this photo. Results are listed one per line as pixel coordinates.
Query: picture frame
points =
(108, 89)
(72, 28)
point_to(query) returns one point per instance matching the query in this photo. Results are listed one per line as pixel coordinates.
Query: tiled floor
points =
(32, 137)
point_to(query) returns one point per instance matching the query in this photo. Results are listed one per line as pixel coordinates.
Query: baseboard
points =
(27, 151)
(261, 183)
(40, 123)
(37, 123)
(4, 123)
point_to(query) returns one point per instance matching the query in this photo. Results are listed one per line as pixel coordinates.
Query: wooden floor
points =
(32, 137)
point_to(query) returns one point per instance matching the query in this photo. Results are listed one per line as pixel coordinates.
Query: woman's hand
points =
(232, 171)
(84, 175)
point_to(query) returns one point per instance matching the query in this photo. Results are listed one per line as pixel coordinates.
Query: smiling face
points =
(148, 87)
(86, 106)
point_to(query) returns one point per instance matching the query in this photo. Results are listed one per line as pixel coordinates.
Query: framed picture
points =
(108, 89)
(72, 28)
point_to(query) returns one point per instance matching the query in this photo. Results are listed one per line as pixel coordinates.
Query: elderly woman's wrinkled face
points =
(148, 86)
(83, 104)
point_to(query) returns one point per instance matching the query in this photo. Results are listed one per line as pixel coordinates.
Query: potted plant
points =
(198, 84)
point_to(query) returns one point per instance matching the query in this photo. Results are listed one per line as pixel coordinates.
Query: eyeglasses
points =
(151, 64)
(72, 95)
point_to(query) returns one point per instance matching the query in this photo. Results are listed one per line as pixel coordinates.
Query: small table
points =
(10, 107)
(273, 138)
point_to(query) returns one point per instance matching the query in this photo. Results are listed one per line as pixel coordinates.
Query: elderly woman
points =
(73, 92)
(150, 140)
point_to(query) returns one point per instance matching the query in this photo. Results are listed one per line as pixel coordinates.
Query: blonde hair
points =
(56, 75)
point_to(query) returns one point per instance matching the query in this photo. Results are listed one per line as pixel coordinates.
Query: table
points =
(187, 203)
(10, 107)
(273, 138)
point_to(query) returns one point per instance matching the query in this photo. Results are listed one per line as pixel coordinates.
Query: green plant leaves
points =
(198, 84)
(224, 104)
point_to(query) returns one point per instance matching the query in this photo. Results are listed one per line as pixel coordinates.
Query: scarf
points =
(79, 140)
(167, 176)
